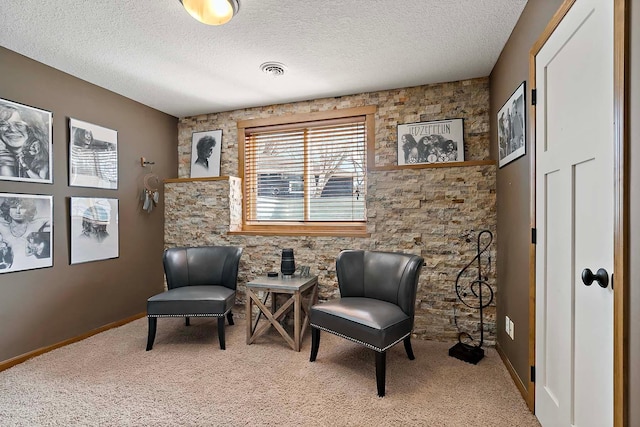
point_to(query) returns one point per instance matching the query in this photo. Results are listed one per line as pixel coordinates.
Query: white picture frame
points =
(205, 158)
(93, 155)
(26, 232)
(94, 229)
(511, 126)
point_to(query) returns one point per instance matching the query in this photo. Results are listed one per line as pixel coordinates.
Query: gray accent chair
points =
(376, 305)
(201, 282)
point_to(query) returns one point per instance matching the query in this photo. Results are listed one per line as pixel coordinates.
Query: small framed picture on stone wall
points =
(205, 153)
(438, 141)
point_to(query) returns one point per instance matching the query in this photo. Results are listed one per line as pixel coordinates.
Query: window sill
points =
(308, 232)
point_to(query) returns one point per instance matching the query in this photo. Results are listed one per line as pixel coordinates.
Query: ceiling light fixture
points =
(211, 12)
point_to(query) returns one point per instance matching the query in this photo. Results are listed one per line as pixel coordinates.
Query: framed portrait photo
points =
(512, 138)
(440, 141)
(93, 155)
(26, 139)
(94, 229)
(26, 231)
(205, 153)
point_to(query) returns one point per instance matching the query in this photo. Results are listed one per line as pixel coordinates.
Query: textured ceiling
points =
(153, 52)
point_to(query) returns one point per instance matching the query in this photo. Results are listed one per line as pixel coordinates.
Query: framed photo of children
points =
(93, 155)
(205, 153)
(26, 224)
(511, 127)
(26, 139)
(94, 229)
(440, 141)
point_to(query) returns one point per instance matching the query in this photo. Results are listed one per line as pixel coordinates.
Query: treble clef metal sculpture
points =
(471, 295)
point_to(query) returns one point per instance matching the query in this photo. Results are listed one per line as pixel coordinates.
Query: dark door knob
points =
(601, 276)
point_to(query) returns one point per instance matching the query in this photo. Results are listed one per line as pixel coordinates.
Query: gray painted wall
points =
(42, 307)
(513, 192)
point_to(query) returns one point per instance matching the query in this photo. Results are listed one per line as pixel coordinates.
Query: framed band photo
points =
(431, 142)
(512, 139)
(26, 231)
(26, 139)
(94, 229)
(93, 155)
(205, 153)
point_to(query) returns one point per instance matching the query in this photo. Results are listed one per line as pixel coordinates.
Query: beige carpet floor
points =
(186, 380)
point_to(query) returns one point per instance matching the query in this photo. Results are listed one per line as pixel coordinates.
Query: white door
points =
(574, 219)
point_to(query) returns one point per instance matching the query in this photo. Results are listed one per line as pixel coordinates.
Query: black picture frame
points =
(511, 126)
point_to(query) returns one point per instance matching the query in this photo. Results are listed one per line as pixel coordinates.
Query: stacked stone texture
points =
(433, 212)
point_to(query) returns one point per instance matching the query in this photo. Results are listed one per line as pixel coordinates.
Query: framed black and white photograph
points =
(93, 155)
(205, 153)
(440, 141)
(94, 229)
(26, 225)
(26, 139)
(511, 127)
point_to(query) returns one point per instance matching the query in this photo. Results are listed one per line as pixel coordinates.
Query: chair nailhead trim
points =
(361, 342)
(190, 315)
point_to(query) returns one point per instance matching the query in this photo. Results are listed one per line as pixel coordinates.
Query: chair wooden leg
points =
(187, 321)
(315, 343)
(230, 317)
(407, 347)
(221, 332)
(381, 371)
(153, 321)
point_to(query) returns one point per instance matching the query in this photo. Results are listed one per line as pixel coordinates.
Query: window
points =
(306, 174)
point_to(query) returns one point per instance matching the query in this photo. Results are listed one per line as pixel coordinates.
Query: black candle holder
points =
(288, 263)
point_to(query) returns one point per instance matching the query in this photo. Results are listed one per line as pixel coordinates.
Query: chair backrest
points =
(203, 265)
(387, 276)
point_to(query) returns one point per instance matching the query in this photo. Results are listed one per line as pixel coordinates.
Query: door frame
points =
(621, 206)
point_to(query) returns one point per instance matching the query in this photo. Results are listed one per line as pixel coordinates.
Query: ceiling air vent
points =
(273, 69)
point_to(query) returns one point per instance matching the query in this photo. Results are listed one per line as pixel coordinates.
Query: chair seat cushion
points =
(375, 323)
(192, 300)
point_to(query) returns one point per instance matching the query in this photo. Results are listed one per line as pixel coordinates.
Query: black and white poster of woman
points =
(93, 159)
(26, 222)
(431, 142)
(94, 229)
(25, 143)
(205, 153)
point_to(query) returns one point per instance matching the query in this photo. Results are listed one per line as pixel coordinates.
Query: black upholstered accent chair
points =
(201, 282)
(376, 305)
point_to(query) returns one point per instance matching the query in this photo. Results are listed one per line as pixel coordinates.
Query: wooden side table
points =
(295, 286)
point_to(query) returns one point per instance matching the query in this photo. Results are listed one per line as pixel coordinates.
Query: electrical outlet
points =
(512, 330)
(507, 325)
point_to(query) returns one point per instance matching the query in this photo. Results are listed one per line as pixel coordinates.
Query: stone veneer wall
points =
(428, 211)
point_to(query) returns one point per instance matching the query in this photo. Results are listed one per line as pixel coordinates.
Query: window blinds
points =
(306, 172)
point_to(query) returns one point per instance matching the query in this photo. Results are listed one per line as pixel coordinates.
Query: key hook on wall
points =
(150, 193)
